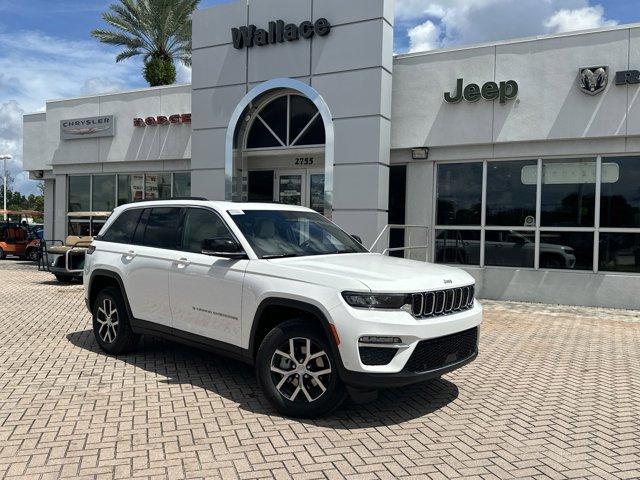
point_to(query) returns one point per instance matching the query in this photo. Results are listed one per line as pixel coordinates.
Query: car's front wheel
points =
(111, 323)
(297, 370)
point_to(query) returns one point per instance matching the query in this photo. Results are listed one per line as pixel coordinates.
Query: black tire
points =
(113, 338)
(297, 405)
(64, 278)
(3, 255)
(32, 254)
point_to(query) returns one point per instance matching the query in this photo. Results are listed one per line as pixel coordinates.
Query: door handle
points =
(183, 263)
(130, 255)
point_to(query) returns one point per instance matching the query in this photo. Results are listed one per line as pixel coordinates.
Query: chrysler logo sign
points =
(278, 32)
(593, 80)
(90, 127)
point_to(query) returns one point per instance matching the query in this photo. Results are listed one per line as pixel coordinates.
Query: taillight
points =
(91, 249)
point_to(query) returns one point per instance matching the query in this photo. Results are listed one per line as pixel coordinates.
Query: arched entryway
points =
(280, 147)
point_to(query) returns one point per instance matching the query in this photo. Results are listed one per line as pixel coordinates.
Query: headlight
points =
(387, 301)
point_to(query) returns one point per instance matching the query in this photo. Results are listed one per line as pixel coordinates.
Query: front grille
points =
(377, 355)
(442, 302)
(441, 352)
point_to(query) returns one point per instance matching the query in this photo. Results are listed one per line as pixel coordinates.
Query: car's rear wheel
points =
(64, 278)
(3, 255)
(32, 254)
(111, 323)
(297, 370)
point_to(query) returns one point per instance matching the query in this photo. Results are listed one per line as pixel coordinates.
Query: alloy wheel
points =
(301, 370)
(108, 321)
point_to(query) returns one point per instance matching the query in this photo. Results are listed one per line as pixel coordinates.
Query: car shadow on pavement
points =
(176, 364)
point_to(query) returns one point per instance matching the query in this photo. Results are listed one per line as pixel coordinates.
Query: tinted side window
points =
(162, 228)
(123, 228)
(199, 225)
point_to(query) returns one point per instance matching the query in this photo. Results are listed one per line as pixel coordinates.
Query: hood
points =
(376, 272)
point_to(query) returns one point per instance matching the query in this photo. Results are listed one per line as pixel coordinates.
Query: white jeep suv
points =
(284, 289)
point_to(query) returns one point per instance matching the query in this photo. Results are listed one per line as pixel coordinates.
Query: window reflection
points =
(619, 252)
(568, 193)
(104, 193)
(460, 247)
(79, 194)
(620, 200)
(459, 193)
(509, 200)
(566, 250)
(509, 248)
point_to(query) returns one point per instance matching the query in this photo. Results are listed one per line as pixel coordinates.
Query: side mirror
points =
(358, 239)
(222, 247)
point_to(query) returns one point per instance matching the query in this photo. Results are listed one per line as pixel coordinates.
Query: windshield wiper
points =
(280, 255)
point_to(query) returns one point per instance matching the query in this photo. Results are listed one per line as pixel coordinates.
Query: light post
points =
(4, 159)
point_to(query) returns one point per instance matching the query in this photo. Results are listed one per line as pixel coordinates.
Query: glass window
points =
(288, 233)
(104, 193)
(316, 182)
(511, 201)
(620, 194)
(510, 249)
(568, 193)
(274, 114)
(460, 247)
(182, 185)
(130, 188)
(566, 250)
(261, 186)
(162, 227)
(80, 194)
(199, 225)
(123, 227)
(314, 135)
(261, 137)
(459, 193)
(619, 252)
(157, 186)
(80, 227)
(302, 112)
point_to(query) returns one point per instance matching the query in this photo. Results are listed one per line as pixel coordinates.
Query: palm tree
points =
(159, 30)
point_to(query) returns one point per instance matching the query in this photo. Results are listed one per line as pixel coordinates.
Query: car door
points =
(147, 262)
(206, 291)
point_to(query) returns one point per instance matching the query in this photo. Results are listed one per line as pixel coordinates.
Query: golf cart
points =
(14, 236)
(66, 259)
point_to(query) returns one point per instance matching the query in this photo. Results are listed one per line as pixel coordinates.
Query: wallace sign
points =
(278, 32)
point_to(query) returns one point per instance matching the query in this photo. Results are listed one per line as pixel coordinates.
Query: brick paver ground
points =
(555, 393)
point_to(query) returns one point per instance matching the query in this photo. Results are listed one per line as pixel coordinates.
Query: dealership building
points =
(516, 160)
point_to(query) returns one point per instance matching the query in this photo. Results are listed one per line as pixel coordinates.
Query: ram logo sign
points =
(593, 80)
(90, 127)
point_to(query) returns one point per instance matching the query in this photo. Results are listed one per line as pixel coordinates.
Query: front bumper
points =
(352, 324)
(367, 381)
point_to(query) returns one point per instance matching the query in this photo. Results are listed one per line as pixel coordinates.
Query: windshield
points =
(288, 233)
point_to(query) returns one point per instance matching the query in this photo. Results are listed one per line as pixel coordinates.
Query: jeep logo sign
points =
(278, 32)
(489, 91)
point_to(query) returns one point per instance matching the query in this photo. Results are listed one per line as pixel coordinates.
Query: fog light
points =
(380, 340)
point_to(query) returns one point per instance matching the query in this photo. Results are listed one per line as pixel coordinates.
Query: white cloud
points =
(425, 36)
(473, 21)
(579, 19)
(36, 67)
(183, 74)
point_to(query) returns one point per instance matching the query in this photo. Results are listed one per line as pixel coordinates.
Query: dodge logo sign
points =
(593, 80)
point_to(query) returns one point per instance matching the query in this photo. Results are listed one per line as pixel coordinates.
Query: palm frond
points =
(151, 28)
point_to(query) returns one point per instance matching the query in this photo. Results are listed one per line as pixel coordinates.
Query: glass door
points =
(316, 190)
(292, 187)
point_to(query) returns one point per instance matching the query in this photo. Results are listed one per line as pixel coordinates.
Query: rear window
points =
(162, 228)
(123, 227)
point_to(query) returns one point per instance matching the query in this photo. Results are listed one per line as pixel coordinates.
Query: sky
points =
(46, 51)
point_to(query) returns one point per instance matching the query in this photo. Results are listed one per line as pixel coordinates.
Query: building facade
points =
(518, 161)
